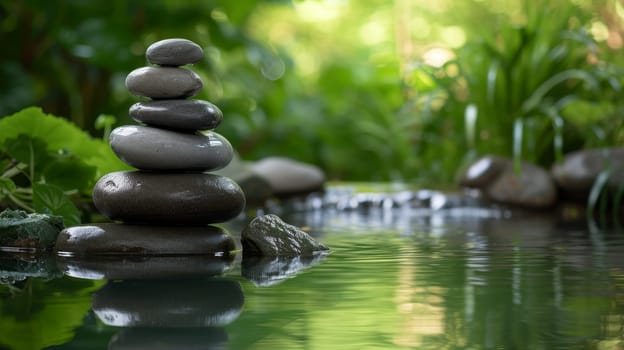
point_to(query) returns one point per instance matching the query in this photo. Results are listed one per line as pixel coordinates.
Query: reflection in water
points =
(182, 338)
(160, 303)
(269, 270)
(396, 279)
(145, 267)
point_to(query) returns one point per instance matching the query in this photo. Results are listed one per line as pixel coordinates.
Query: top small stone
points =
(174, 52)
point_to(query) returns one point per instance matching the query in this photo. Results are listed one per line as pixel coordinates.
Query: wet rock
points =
(264, 271)
(576, 174)
(174, 52)
(148, 148)
(531, 188)
(168, 198)
(163, 82)
(19, 229)
(188, 303)
(177, 114)
(141, 240)
(289, 177)
(268, 235)
(483, 171)
(132, 267)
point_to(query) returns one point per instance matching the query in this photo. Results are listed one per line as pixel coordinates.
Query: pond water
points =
(395, 279)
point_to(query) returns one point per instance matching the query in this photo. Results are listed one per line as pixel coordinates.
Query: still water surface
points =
(394, 280)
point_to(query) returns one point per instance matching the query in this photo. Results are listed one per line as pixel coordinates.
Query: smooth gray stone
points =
(257, 190)
(163, 82)
(288, 177)
(149, 148)
(576, 173)
(531, 188)
(168, 198)
(483, 171)
(205, 302)
(115, 267)
(268, 235)
(177, 114)
(107, 239)
(174, 52)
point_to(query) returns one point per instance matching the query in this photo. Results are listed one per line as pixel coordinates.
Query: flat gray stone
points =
(174, 52)
(163, 82)
(168, 198)
(149, 148)
(187, 303)
(115, 266)
(177, 114)
(289, 177)
(107, 239)
(268, 235)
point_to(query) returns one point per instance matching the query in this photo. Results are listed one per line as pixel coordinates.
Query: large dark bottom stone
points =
(120, 239)
(168, 198)
(161, 303)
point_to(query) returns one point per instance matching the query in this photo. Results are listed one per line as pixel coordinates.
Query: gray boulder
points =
(268, 235)
(288, 177)
(576, 173)
(531, 187)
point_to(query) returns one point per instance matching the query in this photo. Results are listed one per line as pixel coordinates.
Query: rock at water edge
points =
(268, 235)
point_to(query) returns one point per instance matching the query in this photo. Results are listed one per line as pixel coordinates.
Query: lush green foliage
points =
(527, 79)
(46, 160)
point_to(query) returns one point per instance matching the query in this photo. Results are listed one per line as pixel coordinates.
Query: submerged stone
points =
(268, 235)
(19, 229)
(143, 240)
(174, 52)
(149, 148)
(177, 114)
(168, 198)
(163, 82)
(187, 303)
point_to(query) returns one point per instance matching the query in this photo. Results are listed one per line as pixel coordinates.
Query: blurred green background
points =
(374, 90)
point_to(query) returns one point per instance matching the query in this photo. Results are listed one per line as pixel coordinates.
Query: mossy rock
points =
(19, 229)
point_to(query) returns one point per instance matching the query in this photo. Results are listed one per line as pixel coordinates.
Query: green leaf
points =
(7, 186)
(70, 173)
(597, 188)
(50, 199)
(59, 134)
(30, 151)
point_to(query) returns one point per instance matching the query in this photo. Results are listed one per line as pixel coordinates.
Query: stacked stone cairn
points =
(170, 198)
